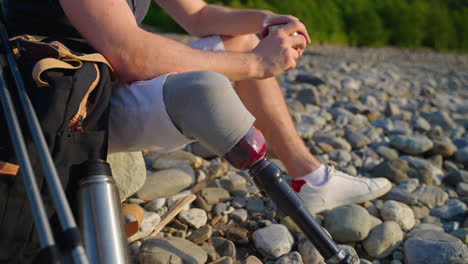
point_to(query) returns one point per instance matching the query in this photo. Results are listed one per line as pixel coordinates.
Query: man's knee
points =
(242, 43)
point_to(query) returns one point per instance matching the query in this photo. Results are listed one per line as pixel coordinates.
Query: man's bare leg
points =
(264, 99)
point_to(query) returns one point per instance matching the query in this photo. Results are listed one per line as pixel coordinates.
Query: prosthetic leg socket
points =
(249, 153)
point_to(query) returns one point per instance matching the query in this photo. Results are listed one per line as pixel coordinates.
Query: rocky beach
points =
(393, 113)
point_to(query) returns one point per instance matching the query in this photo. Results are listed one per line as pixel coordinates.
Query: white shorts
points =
(138, 118)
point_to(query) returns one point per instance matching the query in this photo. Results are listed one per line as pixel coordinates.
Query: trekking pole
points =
(49, 249)
(69, 227)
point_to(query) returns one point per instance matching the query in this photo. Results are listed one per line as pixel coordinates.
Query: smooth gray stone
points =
(411, 144)
(387, 152)
(172, 250)
(348, 223)
(395, 170)
(398, 212)
(431, 196)
(434, 247)
(456, 176)
(309, 95)
(450, 210)
(195, 217)
(335, 142)
(357, 139)
(239, 215)
(462, 234)
(383, 239)
(165, 183)
(340, 156)
(129, 172)
(309, 253)
(400, 196)
(219, 208)
(441, 118)
(224, 247)
(273, 241)
(462, 156)
(444, 146)
(462, 189)
(291, 258)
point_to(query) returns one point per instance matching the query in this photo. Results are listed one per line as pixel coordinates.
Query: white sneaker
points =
(339, 189)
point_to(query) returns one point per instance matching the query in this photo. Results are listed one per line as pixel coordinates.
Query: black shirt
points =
(46, 17)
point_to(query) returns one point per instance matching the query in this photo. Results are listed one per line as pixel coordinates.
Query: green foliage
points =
(438, 24)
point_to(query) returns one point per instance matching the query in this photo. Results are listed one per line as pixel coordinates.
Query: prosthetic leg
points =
(249, 154)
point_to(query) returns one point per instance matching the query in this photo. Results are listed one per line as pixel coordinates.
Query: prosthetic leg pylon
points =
(249, 153)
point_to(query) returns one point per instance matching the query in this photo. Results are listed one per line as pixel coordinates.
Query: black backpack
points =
(72, 105)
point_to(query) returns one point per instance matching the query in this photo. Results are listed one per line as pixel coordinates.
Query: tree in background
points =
(438, 24)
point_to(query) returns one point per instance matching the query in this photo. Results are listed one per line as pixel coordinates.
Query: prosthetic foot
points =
(249, 154)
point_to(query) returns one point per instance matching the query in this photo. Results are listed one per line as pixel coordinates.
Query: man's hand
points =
(275, 19)
(279, 50)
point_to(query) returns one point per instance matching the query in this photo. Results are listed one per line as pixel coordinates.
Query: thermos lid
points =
(95, 167)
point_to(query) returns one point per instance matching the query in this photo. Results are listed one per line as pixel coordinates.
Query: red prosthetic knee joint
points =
(250, 149)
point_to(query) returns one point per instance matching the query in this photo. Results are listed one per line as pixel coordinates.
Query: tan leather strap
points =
(8, 168)
(51, 63)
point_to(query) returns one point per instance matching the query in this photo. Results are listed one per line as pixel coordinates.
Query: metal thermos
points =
(101, 220)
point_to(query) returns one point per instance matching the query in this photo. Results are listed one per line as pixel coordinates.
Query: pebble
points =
(162, 183)
(170, 250)
(219, 208)
(431, 247)
(273, 241)
(383, 239)
(239, 215)
(395, 170)
(155, 204)
(291, 258)
(398, 212)
(200, 235)
(224, 247)
(195, 217)
(348, 223)
(411, 144)
(450, 210)
(207, 197)
(431, 196)
(255, 205)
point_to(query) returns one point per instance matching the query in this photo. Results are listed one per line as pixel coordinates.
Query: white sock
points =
(317, 177)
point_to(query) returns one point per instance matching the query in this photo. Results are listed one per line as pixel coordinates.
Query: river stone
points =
(426, 226)
(207, 197)
(172, 250)
(200, 235)
(431, 196)
(411, 144)
(309, 95)
(398, 212)
(195, 217)
(335, 142)
(291, 258)
(400, 195)
(462, 234)
(383, 239)
(434, 247)
(387, 153)
(309, 253)
(224, 247)
(348, 223)
(462, 156)
(340, 156)
(129, 172)
(273, 241)
(450, 210)
(232, 181)
(166, 182)
(444, 146)
(462, 189)
(395, 170)
(357, 139)
(424, 170)
(441, 118)
(155, 204)
(456, 176)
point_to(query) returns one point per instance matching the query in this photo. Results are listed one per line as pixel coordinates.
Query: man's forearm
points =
(229, 21)
(145, 59)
